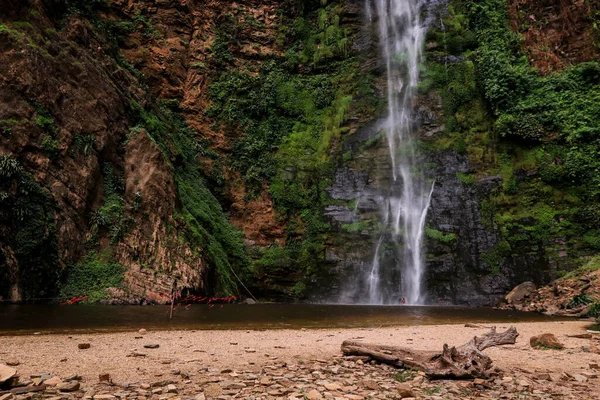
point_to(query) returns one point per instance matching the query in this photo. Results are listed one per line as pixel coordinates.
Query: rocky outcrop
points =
(572, 295)
(520, 292)
(65, 113)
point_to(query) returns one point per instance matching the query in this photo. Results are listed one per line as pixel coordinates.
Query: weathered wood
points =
(466, 361)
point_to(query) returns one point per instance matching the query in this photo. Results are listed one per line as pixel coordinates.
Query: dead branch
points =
(463, 362)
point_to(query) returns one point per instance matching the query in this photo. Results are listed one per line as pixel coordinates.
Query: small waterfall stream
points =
(401, 38)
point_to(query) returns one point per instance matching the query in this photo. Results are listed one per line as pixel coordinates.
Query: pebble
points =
(12, 362)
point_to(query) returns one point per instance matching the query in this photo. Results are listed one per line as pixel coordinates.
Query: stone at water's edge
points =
(546, 340)
(520, 292)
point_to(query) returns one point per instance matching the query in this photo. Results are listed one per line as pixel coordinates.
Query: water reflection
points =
(22, 319)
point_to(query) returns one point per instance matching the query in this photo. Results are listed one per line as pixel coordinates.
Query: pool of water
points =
(24, 319)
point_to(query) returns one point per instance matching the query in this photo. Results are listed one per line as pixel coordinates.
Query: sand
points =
(193, 350)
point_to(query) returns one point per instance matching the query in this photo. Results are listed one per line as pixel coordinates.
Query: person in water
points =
(403, 301)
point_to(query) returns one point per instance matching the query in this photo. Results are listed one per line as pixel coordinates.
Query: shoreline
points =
(296, 364)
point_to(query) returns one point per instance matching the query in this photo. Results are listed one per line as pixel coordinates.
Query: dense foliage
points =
(91, 276)
(29, 252)
(291, 113)
(539, 133)
(206, 227)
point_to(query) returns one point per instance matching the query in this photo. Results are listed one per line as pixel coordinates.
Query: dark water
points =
(23, 319)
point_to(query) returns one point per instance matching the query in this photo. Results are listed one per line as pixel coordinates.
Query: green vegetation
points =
(294, 116)
(359, 226)
(581, 299)
(91, 276)
(84, 143)
(110, 217)
(405, 375)
(594, 310)
(541, 134)
(590, 266)
(465, 178)
(445, 238)
(204, 225)
(29, 233)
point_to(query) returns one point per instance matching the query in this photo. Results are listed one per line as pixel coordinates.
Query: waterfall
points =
(401, 37)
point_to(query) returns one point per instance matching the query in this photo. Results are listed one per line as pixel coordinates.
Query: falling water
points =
(401, 37)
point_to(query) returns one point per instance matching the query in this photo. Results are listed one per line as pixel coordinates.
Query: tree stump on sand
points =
(463, 362)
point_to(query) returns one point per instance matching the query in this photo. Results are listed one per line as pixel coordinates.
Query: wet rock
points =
(68, 386)
(520, 292)
(546, 340)
(83, 346)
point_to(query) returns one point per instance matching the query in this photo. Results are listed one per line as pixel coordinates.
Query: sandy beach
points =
(196, 352)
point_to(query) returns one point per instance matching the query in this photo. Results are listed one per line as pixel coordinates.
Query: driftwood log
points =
(463, 362)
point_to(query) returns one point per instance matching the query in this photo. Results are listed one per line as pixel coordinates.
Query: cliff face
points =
(137, 134)
(75, 117)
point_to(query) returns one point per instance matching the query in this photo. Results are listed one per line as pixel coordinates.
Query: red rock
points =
(546, 340)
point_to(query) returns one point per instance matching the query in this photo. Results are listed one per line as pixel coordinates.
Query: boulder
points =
(12, 362)
(404, 391)
(546, 340)
(520, 292)
(6, 373)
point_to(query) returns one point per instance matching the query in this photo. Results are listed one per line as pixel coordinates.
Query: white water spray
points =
(401, 37)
